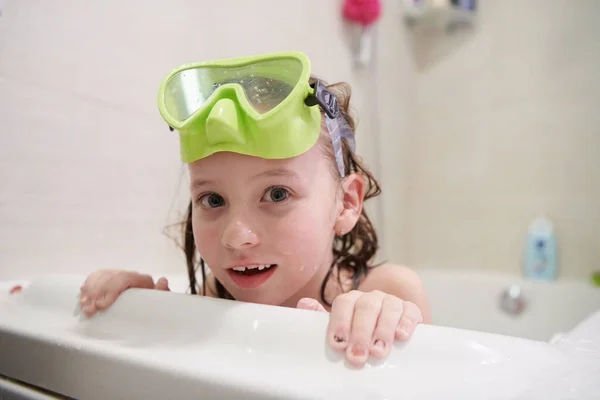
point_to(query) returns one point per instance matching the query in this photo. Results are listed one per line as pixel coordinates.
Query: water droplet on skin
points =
(301, 268)
(316, 267)
(284, 248)
(238, 223)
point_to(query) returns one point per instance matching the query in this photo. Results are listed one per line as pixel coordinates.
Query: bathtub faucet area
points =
(512, 301)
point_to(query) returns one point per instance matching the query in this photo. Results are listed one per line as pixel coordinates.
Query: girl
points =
(277, 203)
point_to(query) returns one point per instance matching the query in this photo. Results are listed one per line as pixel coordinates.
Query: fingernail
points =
(87, 310)
(403, 332)
(379, 345)
(339, 338)
(83, 299)
(358, 351)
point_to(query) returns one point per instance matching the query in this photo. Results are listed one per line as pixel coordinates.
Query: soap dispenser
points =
(540, 252)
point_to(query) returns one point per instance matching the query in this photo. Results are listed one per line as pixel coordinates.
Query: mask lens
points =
(266, 84)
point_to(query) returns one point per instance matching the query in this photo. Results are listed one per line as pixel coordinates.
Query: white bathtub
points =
(470, 299)
(259, 352)
(150, 344)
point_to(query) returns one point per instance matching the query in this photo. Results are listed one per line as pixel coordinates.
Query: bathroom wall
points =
(477, 137)
(504, 127)
(90, 173)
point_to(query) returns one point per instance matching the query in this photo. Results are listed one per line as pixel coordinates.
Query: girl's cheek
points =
(300, 236)
(207, 238)
(293, 226)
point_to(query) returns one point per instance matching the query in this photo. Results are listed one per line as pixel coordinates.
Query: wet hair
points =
(352, 252)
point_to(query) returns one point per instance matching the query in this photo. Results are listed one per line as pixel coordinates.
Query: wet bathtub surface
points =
(153, 344)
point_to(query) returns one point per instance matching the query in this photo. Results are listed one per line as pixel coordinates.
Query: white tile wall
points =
(504, 126)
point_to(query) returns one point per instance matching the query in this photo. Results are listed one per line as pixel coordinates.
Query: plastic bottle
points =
(540, 254)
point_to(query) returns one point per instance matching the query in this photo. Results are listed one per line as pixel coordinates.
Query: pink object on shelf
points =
(363, 12)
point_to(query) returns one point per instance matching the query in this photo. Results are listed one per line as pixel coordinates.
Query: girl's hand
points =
(103, 287)
(363, 324)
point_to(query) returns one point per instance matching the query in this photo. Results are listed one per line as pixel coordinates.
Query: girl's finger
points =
(364, 321)
(162, 284)
(117, 284)
(340, 320)
(385, 332)
(310, 304)
(411, 317)
(91, 288)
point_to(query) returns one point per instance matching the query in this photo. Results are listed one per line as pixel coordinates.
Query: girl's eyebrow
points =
(278, 172)
(197, 183)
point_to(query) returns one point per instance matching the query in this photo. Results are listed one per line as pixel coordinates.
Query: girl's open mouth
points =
(252, 276)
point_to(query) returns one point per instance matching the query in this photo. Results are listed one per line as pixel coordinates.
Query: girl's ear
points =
(353, 187)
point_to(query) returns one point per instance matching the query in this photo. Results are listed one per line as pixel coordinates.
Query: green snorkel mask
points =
(261, 106)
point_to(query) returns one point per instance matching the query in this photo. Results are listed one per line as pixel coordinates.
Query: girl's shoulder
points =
(390, 276)
(399, 281)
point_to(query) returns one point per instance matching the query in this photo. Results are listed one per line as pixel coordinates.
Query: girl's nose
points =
(238, 235)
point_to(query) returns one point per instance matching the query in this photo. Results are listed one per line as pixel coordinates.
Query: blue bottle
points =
(540, 254)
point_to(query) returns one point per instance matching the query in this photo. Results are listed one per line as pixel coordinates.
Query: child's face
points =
(275, 213)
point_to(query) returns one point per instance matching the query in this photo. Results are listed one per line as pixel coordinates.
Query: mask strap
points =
(339, 129)
(336, 123)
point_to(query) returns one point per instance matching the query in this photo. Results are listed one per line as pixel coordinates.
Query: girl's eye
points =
(276, 194)
(212, 200)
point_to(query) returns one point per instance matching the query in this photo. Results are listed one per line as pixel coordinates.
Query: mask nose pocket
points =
(223, 124)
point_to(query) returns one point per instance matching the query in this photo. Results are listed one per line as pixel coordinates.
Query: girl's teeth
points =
(260, 267)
